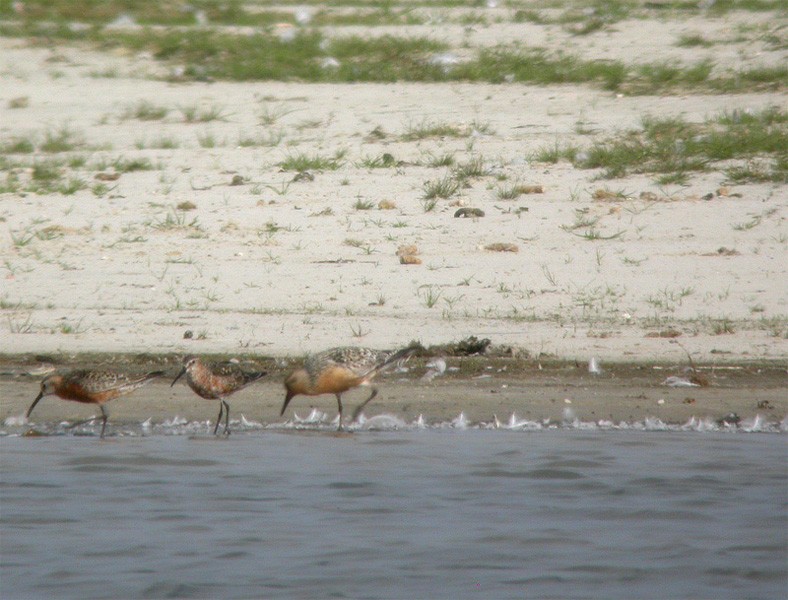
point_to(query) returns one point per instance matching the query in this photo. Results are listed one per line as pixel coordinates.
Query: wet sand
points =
(482, 391)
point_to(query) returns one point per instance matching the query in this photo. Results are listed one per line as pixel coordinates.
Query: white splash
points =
(461, 422)
(674, 381)
(382, 423)
(316, 416)
(654, 424)
(435, 368)
(594, 367)
(15, 421)
(521, 424)
(319, 420)
(247, 424)
(582, 425)
(753, 425)
(696, 424)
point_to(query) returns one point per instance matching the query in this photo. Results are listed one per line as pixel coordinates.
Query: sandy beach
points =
(216, 246)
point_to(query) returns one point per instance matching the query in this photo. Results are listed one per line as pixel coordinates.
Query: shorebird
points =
(91, 387)
(216, 381)
(337, 370)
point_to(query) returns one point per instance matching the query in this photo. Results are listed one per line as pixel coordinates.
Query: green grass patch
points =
(162, 143)
(128, 165)
(146, 12)
(17, 146)
(386, 58)
(499, 65)
(693, 40)
(262, 56)
(760, 171)
(367, 17)
(668, 74)
(445, 187)
(52, 175)
(583, 19)
(474, 167)
(46, 171)
(675, 147)
(721, 7)
(312, 162)
(145, 110)
(60, 140)
(381, 161)
(203, 114)
(748, 80)
(446, 159)
(555, 153)
(430, 129)
(309, 55)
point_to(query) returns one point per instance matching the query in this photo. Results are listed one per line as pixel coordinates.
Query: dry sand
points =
(278, 267)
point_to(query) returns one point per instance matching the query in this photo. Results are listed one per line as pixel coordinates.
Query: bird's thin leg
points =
(361, 406)
(339, 404)
(219, 418)
(226, 418)
(103, 421)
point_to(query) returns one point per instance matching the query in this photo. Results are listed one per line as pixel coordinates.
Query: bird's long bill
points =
(288, 398)
(32, 406)
(183, 370)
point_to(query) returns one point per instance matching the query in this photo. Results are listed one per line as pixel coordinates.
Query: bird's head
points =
(49, 386)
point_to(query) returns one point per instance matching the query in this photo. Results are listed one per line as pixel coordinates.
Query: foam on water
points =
(320, 421)
(16, 420)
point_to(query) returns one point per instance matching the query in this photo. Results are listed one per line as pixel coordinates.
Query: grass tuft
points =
(445, 187)
(306, 162)
(144, 110)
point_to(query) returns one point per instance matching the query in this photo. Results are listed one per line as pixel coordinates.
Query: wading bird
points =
(216, 381)
(91, 387)
(337, 370)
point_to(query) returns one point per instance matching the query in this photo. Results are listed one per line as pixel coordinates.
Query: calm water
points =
(439, 514)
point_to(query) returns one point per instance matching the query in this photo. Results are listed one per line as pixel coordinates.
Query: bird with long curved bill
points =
(91, 387)
(338, 370)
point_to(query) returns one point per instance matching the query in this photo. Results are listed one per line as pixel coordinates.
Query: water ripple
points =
(396, 514)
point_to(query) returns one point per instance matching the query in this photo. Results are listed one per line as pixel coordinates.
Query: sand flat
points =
(272, 264)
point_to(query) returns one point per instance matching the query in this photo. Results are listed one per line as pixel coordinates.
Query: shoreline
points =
(480, 388)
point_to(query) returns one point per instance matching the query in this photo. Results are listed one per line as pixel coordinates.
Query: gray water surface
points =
(438, 514)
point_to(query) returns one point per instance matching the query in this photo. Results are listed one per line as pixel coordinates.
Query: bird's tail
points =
(400, 355)
(137, 383)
